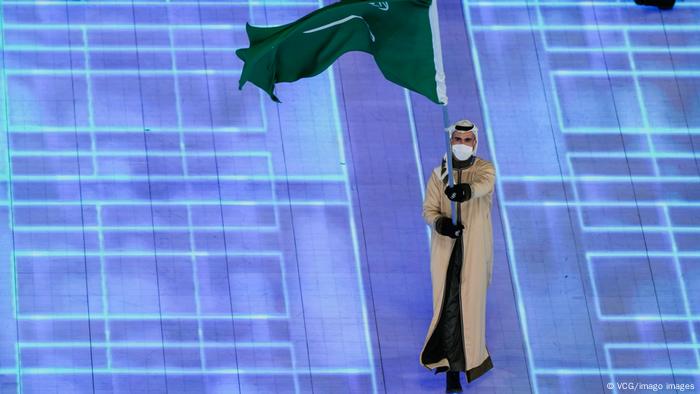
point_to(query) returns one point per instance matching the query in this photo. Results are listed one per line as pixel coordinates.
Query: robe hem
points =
(476, 372)
(472, 374)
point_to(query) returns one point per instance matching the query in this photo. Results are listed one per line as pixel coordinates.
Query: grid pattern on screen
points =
(129, 209)
(621, 84)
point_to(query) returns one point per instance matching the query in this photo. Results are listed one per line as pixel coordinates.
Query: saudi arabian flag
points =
(402, 35)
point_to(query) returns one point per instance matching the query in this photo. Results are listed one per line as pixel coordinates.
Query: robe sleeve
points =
(483, 183)
(431, 204)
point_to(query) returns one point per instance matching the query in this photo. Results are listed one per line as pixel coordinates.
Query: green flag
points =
(402, 35)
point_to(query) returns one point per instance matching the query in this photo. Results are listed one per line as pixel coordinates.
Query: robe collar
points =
(456, 165)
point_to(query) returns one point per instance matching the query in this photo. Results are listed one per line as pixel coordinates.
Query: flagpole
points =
(448, 158)
(442, 93)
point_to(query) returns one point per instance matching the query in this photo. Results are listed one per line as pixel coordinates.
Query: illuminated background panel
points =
(169, 233)
(608, 153)
(203, 223)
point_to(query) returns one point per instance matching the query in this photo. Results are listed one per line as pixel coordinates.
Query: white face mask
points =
(462, 152)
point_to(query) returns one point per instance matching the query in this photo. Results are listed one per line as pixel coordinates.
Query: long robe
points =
(476, 268)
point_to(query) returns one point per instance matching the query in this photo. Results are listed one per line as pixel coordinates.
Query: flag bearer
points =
(461, 260)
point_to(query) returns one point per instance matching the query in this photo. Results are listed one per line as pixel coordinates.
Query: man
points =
(461, 260)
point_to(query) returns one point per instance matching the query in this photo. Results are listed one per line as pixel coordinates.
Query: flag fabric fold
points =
(402, 35)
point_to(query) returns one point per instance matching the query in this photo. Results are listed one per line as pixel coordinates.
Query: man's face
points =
(463, 137)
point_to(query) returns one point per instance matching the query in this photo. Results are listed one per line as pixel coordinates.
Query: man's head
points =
(464, 133)
(463, 137)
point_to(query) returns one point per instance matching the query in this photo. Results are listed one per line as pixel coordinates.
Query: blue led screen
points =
(164, 232)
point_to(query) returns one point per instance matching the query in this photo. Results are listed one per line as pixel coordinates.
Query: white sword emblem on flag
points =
(346, 19)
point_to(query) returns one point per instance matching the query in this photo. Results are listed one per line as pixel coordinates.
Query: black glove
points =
(444, 226)
(460, 192)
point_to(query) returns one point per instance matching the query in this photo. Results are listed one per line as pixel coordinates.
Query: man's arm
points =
(431, 204)
(483, 183)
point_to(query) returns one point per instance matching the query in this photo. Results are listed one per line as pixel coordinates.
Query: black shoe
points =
(453, 385)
